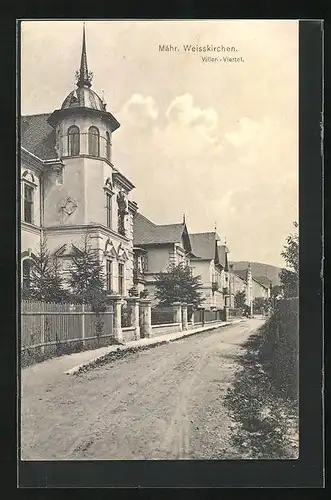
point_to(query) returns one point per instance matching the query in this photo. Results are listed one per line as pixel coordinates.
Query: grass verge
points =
(265, 417)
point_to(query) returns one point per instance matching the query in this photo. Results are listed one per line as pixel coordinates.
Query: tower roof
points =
(83, 98)
(84, 75)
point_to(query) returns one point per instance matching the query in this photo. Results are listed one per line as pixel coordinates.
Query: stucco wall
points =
(158, 258)
(55, 194)
(30, 239)
(258, 290)
(202, 269)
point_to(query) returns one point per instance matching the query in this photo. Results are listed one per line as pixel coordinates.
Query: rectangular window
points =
(121, 279)
(145, 263)
(28, 204)
(108, 210)
(109, 273)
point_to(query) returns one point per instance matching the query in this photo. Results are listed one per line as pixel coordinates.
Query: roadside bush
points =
(280, 347)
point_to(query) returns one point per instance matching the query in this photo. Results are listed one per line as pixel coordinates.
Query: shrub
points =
(280, 347)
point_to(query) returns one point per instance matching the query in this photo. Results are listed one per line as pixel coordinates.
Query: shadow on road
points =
(264, 422)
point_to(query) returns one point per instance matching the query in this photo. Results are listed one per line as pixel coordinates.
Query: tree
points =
(87, 278)
(260, 305)
(178, 284)
(46, 283)
(290, 277)
(240, 299)
(276, 291)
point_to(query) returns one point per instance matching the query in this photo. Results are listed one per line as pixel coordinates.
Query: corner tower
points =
(81, 110)
(90, 192)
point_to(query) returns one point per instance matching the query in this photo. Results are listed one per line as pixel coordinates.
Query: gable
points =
(67, 250)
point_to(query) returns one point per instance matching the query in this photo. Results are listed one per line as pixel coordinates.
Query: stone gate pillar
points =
(191, 308)
(133, 303)
(117, 308)
(226, 307)
(184, 316)
(202, 314)
(177, 311)
(146, 318)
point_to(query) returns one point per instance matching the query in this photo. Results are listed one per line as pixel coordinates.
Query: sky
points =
(216, 141)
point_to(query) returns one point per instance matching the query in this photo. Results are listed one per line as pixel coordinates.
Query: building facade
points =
(156, 247)
(70, 187)
(261, 287)
(243, 276)
(236, 284)
(210, 263)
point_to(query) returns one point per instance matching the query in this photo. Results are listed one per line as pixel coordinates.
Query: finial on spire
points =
(225, 240)
(84, 76)
(184, 219)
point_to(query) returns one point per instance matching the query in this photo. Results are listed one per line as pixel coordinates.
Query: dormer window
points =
(107, 146)
(73, 141)
(93, 141)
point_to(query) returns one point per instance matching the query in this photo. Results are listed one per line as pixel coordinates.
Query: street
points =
(162, 403)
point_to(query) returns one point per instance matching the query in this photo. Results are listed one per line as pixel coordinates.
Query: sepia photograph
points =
(158, 166)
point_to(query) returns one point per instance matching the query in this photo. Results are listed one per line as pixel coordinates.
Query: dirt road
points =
(162, 403)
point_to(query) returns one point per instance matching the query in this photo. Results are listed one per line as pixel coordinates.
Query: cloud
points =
(182, 110)
(183, 163)
(246, 131)
(140, 111)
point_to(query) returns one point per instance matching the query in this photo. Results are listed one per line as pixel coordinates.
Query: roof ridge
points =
(206, 232)
(173, 224)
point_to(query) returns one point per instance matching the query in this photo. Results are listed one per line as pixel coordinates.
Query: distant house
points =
(243, 276)
(210, 262)
(237, 283)
(261, 287)
(155, 248)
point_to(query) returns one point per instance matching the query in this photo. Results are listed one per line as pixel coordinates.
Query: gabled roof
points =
(145, 232)
(38, 137)
(222, 255)
(206, 246)
(263, 280)
(241, 274)
(203, 245)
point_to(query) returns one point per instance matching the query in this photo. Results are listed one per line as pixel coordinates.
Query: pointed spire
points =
(184, 219)
(84, 75)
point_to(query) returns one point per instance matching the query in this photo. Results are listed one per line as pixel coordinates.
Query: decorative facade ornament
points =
(110, 249)
(122, 212)
(69, 206)
(109, 184)
(121, 253)
(133, 292)
(28, 176)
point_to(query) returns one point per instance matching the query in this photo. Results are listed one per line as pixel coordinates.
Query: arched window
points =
(93, 141)
(73, 141)
(108, 146)
(26, 274)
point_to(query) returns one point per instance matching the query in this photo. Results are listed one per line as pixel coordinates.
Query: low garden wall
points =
(128, 334)
(164, 329)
